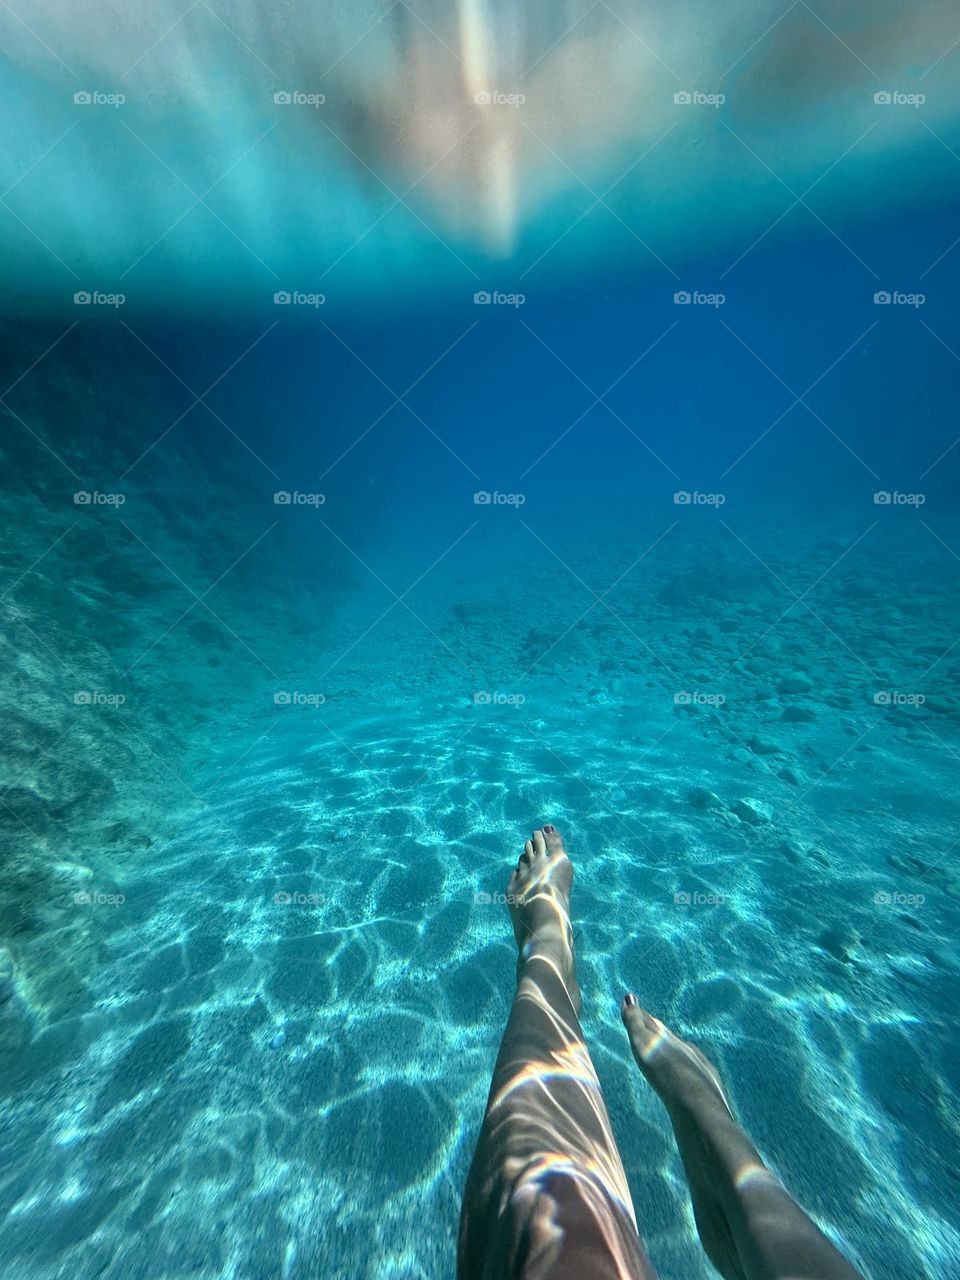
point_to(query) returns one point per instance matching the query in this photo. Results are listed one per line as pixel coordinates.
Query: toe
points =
(630, 1010)
(552, 838)
(527, 856)
(642, 1027)
(539, 843)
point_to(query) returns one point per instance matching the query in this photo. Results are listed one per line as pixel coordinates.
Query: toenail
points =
(630, 1000)
(549, 828)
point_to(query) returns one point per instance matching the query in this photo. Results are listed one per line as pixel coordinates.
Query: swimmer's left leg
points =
(750, 1227)
(546, 1197)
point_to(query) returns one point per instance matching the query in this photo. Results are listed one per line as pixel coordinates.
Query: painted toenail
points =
(549, 828)
(630, 1000)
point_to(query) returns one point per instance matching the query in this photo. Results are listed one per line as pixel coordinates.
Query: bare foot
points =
(749, 1225)
(538, 895)
(676, 1069)
(690, 1088)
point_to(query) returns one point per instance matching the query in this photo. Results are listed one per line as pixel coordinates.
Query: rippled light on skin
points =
(754, 1175)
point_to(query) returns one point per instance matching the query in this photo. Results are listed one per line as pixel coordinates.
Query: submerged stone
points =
(752, 811)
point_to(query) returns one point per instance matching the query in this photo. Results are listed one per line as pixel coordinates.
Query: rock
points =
(701, 798)
(791, 776)
(753, 811)
(796, 682)
(764, 747)
(839, 942)
(799, 713)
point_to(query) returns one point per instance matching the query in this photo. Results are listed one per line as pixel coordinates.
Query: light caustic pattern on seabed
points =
(339, 899)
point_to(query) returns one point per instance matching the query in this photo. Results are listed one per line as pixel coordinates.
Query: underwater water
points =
(557, 422)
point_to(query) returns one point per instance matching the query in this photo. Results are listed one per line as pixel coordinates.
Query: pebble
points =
(701, 798)
(278, 1040)
(796, 682)
(839, 942)
(799, 713)
(753, 811)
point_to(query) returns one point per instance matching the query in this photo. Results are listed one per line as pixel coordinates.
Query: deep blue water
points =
(680, 577)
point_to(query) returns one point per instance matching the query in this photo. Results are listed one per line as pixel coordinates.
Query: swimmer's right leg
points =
(750, 1227)
(547, 1195)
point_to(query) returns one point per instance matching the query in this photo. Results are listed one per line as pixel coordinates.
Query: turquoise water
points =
(356, 592)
